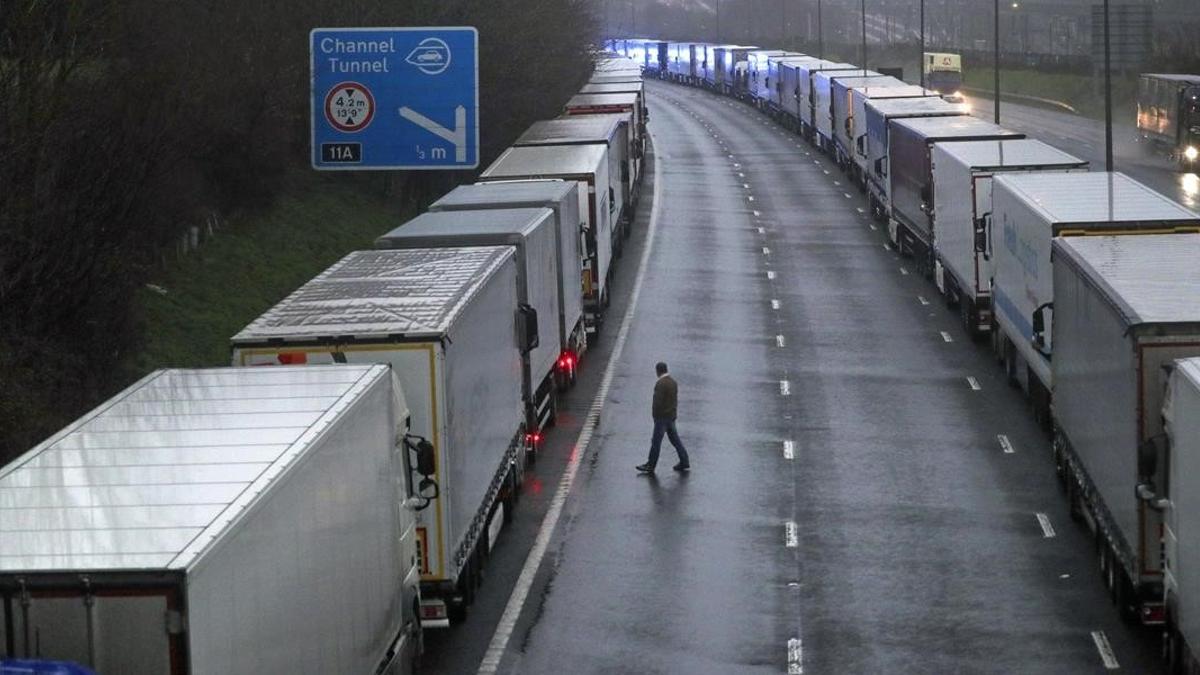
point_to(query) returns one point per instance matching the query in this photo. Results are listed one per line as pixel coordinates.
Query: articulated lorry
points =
(823, 91)
(588, 166)
(1168, 115)
(605, 104)
(962, 207)
(1126, 307)
(226, 520)
(806, 74)
(758, 73)
(910, 176)
(943, 74)
(451, 326)
(568, 201)
(531, 234)
(879, 113)
(1029, 210)
(851, 122)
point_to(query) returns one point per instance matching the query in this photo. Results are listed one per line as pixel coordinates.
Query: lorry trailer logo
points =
(431, 56)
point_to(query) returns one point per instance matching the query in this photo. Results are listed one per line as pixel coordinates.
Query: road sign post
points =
(394, 98)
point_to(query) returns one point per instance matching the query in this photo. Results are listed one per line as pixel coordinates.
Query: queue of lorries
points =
(1087, 285)
(315, 507)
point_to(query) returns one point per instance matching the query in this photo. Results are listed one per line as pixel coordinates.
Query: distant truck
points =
(1181, 534)
(450, 324)
(1126, 308)
(943, 74)
(227, 520)
(1031, 210)
(910, 173)
(568, 201)
(962, 210)
(1168, 115)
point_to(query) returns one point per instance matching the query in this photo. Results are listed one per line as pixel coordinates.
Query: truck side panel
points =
(1024, 279)
(1183, 532)
(908, 173)
(955, 206)
(310, 582)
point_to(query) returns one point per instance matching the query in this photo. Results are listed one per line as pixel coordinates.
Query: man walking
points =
(664, 410)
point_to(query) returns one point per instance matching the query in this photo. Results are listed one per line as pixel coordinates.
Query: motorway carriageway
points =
(867, 493)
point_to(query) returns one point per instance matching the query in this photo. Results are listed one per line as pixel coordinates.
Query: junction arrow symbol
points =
(458, 136)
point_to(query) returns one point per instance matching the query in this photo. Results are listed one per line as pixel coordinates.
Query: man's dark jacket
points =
(666, 398)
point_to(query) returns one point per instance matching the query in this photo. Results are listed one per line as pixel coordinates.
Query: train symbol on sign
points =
(431, 56)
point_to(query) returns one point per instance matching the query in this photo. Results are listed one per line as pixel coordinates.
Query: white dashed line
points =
(780, 341)
(774, 304)
(770, 275)
(789, 450)
(946, 337)
(903, 271)
(872, 226)
(766, 251)
(1047, 528)
(826, 171)
(791, 538)
(860, 209)
(746, 186)
(885, 246)
(847, 195)
(751, 197)
(1105, 649)
(762, 230)
(795, 657)
(974, 383)
(922, 300)
(785, 388)
(1005, 444)
(757, 213)
(837, 183)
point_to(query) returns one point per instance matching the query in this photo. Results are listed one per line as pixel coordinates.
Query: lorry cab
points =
(943, 74)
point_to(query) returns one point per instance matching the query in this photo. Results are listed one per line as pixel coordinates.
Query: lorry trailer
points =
(637, 86)
(910, 174)
(821, 113)
(1028, 211)
(225, 520)
(962, 205)
(758, 73)
(1181, 534)
(879, 112)
(615, 132)
(783, 100)
(531, 233)
(1168, 115)
(856, 136)
(449, 323)
(806, 74)
(1126, 307)
(568, 201)
(588, 166)
(606, 104)
(727, 58)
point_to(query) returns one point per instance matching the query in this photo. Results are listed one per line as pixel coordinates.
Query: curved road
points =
(851, 508)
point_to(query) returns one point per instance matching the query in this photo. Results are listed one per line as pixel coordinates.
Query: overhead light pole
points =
(922, 43)
(863, 11)
(996, 60)
(1108, 116)
(820, 33)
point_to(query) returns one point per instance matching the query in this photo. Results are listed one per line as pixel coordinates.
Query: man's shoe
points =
(645, 468)
(682, 467)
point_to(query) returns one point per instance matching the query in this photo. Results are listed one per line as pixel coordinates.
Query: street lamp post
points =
(718, 20)
(1108, 118)
(996, 60)
(863, 11)
(922, 43)
(820, 34)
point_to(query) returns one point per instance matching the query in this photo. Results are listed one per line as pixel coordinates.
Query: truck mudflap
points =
(1136, 595)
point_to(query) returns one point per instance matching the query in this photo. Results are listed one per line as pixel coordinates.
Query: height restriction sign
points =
(394, 98)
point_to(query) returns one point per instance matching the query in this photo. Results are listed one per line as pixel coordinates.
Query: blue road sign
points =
(395, 98)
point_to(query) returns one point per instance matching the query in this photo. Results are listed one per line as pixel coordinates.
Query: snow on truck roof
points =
(1095, 197)
(379, 294)
(1152, 278)
(151, 478)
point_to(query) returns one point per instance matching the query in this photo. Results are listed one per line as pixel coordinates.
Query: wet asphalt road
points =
(850, 510)
(1084, 138)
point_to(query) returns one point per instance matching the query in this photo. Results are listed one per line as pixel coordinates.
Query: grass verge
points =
(248, 266)
(1076, 90)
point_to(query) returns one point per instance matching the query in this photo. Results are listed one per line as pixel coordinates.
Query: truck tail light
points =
(1154, 614)
(292, 358)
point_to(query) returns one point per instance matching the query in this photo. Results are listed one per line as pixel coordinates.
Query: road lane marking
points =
(974, 383)
(826, 171)
(789, 449)
(785, 388)
(1005, 444)
(1047, 528)
(847, 195)
(860, 209)
(533, 560)
(903, 271)
(762, 230)
(946, 337)
(780, 341)
(1105, 649)
(837, 183)
(766, 251)
(922, 300)
(872, 226)
(746, 186)
(751, 197)
(757, 213)
(771, 275)
(885, 246)
(774, 304)
(791, 538)
(795, 657)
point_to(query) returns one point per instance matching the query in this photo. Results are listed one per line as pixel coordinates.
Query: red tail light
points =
(293, 358)
(534, 438)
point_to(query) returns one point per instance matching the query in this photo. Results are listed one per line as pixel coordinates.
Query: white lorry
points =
(588, 166)
(1028, 211)
(1126, 307)
(565, 199)
(852, 146)
(227, 520)
(1181, 533)
(531, 234)
(449, 323)
(824, 88)
(879, 114)
(962, 205)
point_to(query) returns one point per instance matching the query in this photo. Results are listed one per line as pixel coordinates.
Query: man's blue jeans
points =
(666, 425)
